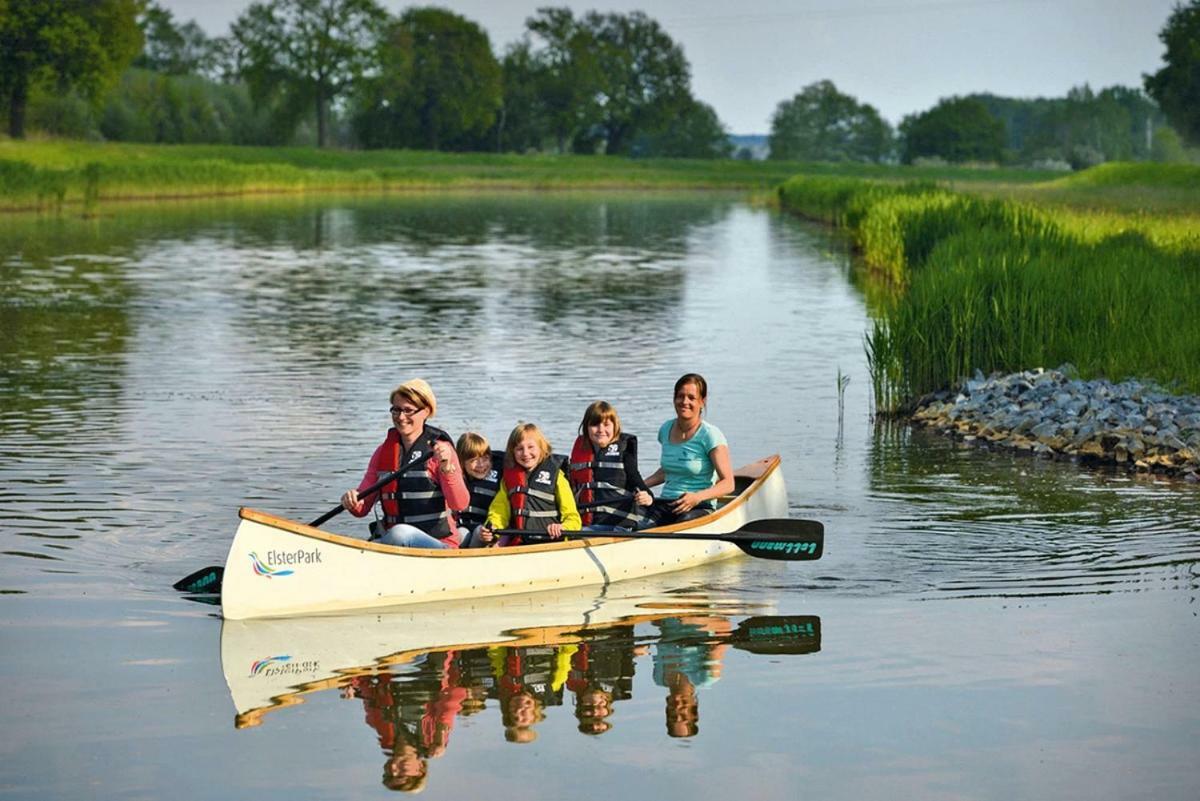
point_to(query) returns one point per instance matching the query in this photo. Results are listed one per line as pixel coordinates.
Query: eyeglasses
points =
(406, 411)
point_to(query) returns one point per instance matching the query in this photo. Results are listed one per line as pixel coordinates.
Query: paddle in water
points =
(207, 580)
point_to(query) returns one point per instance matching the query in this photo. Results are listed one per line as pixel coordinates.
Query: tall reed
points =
(993, 285)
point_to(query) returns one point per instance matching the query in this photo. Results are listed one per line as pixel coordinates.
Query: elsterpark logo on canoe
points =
(273, 567)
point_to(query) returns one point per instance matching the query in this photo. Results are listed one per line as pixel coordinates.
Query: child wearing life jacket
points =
(534, 495)
(481, 472)
(604, 472)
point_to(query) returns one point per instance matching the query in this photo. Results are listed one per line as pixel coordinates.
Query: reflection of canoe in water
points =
(281, 567)
(272, 664)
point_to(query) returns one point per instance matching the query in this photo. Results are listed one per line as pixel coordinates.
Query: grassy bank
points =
(992, 284)
(53, 174)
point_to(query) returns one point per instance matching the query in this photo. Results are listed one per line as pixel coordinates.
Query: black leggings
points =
(660, 513)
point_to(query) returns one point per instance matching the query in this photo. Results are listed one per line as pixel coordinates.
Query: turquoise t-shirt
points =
(687, 465)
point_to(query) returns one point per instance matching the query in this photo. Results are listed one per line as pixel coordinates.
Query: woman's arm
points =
(724, 484)
(351, 502)
(447, 472)
(655, 478)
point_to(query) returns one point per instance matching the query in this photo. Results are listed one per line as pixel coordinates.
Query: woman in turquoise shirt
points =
(695, 467)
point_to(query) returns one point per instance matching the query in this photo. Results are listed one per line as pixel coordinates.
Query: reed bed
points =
(985, 284)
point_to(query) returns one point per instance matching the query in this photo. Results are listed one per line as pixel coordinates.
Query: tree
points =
(1176, 86)
(642, 74)
(822, 124)
(956, 129)
(175, 49)
(691, 130)
(559, 63)
(306, 52)
(77, 44)
(439, 85)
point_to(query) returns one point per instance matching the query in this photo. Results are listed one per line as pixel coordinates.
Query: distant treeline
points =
(349, 73)
(1083, 129)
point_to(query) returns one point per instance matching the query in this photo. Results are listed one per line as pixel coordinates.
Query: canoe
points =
(273, 664)
(279, 567)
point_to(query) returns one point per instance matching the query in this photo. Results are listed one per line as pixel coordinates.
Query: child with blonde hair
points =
(533, 495)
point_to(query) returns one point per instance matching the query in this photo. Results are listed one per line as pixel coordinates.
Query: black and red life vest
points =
(601, 484)
(482, 490)
(531, 496)
(415, 497)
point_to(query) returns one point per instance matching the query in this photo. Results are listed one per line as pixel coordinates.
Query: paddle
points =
(208, 579)
(770, 538)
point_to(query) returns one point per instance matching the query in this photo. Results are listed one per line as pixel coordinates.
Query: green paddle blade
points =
(778, 634)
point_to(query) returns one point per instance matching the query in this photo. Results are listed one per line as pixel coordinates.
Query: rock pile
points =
(1056, 416)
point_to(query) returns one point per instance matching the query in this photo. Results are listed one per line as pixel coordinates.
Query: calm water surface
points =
(982, 626)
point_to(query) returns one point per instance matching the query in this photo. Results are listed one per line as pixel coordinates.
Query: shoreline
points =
(90, 208)
(1052, 414)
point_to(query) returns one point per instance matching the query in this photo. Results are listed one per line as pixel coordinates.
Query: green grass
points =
(54, 173)
(994, 284)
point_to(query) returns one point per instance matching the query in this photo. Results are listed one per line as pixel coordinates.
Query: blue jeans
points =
(409, 537)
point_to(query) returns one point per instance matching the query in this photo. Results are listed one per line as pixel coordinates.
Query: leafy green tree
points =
(175, 49)
(1176, 86)
(642, 75)
(561, 64)
(1114, 123)
(691, 130)
(523, 120)
(76, 44)
(439, 85)
(306, 53)
(822, 124)
(604, 82)
(957, 129)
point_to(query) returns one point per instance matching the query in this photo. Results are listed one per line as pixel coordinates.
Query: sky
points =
(901, 56)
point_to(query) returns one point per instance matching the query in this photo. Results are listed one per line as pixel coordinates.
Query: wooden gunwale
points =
(759, 471)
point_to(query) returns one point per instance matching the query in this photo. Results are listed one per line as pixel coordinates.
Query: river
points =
(982, 625)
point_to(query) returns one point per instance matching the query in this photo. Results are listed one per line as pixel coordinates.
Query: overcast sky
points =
(900, 56)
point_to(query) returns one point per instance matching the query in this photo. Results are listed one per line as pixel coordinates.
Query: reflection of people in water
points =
(688, 655)
(528, 679)
(413, 716)
(593, 706)
(601, 674)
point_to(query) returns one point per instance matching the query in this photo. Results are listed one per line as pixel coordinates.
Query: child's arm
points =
(499, 514)
(568, 512)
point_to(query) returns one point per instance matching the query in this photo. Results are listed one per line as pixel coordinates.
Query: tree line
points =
(347, 72)
(1084, 128)
(1077, 131)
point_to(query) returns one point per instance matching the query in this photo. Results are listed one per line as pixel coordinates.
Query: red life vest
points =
(582, 475)
(598, 477)
(532, 502)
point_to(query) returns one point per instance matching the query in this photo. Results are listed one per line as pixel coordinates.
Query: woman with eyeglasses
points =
(419, 506)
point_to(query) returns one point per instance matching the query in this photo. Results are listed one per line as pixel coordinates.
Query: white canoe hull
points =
(278, 567)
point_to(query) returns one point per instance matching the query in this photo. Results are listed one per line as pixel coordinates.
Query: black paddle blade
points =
(206, 580)
(782, 538)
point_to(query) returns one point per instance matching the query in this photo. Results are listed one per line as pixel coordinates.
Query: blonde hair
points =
(470, 445)
(519, 433)
(598, 412)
